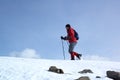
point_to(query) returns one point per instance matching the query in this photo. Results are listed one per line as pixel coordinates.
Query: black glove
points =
(62, 38)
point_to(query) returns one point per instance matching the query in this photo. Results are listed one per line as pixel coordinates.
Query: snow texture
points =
(12, 68)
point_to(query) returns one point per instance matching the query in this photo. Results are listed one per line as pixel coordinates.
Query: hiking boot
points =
(79, 56)
(72, 59)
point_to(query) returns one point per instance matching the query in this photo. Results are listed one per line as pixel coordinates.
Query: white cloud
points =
(27, 53)
(96, 57)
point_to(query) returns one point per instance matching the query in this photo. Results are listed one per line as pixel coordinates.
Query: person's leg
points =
(71, 48)
(71, 51)
(77, 55)
(72, 56)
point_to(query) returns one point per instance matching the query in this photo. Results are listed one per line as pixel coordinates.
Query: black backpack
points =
(76, 35)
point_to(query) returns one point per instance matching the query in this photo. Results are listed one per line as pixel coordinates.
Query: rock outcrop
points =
(113, 75)
(85, 71)
(56, 70)
(83, 78)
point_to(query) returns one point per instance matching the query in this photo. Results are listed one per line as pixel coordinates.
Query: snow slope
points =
(37, 69)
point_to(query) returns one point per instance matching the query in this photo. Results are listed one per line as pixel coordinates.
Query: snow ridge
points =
(12, 68)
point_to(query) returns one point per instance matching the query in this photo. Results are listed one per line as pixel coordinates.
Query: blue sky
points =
(38, 25)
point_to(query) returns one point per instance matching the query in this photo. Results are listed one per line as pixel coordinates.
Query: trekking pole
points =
(68, 43)
(63, 49)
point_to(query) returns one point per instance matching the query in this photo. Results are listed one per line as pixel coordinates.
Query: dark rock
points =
(56, 70)
(53, 69)
(86, 71)
(83, 78)
(98, 77)
(113, 75)
(60, 71)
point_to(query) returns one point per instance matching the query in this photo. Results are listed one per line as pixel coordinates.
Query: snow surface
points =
(37, 69)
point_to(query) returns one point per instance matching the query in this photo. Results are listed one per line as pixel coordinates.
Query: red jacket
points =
(70, 35)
